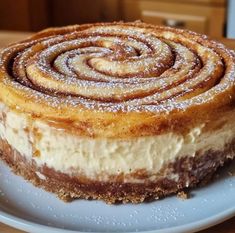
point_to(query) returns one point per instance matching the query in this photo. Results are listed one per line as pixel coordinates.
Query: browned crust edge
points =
(191, 172)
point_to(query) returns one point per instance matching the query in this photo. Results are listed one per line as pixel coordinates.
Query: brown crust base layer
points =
(191, 172)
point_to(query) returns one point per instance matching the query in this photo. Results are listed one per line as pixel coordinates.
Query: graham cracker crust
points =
(191, 171)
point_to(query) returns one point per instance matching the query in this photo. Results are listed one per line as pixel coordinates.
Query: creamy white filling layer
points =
(91, 157)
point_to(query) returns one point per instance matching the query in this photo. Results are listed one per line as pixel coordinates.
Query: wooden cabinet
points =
(34, 15)
(65, 12)
(203, 16)
(25, 15)
(195, 23)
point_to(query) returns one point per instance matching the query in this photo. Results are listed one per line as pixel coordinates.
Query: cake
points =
(120, 112)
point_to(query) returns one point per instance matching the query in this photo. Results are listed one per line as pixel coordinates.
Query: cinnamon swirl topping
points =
(129, 74)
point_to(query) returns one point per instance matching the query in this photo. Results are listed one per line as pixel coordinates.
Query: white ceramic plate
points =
(34, 210)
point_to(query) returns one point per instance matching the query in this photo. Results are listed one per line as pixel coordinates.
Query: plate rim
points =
(32, 226)
(26, 225)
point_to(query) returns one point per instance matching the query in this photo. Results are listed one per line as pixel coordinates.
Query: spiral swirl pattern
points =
(115, 67)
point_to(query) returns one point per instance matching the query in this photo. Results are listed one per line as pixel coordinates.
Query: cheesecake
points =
(119, 112)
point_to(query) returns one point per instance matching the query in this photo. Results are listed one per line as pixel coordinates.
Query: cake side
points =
(113, 170)
(103, 158)
(188, 172)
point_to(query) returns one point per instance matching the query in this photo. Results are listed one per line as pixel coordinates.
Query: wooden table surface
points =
(7, 37)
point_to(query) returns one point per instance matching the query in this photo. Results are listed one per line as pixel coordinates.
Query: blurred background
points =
(215, 18)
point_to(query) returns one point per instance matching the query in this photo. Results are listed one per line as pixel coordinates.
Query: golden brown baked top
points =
(119, 79)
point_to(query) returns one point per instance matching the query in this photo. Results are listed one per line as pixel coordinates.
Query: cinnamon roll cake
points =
(117, 111)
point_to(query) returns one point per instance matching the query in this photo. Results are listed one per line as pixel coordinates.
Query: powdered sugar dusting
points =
(119, 67)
